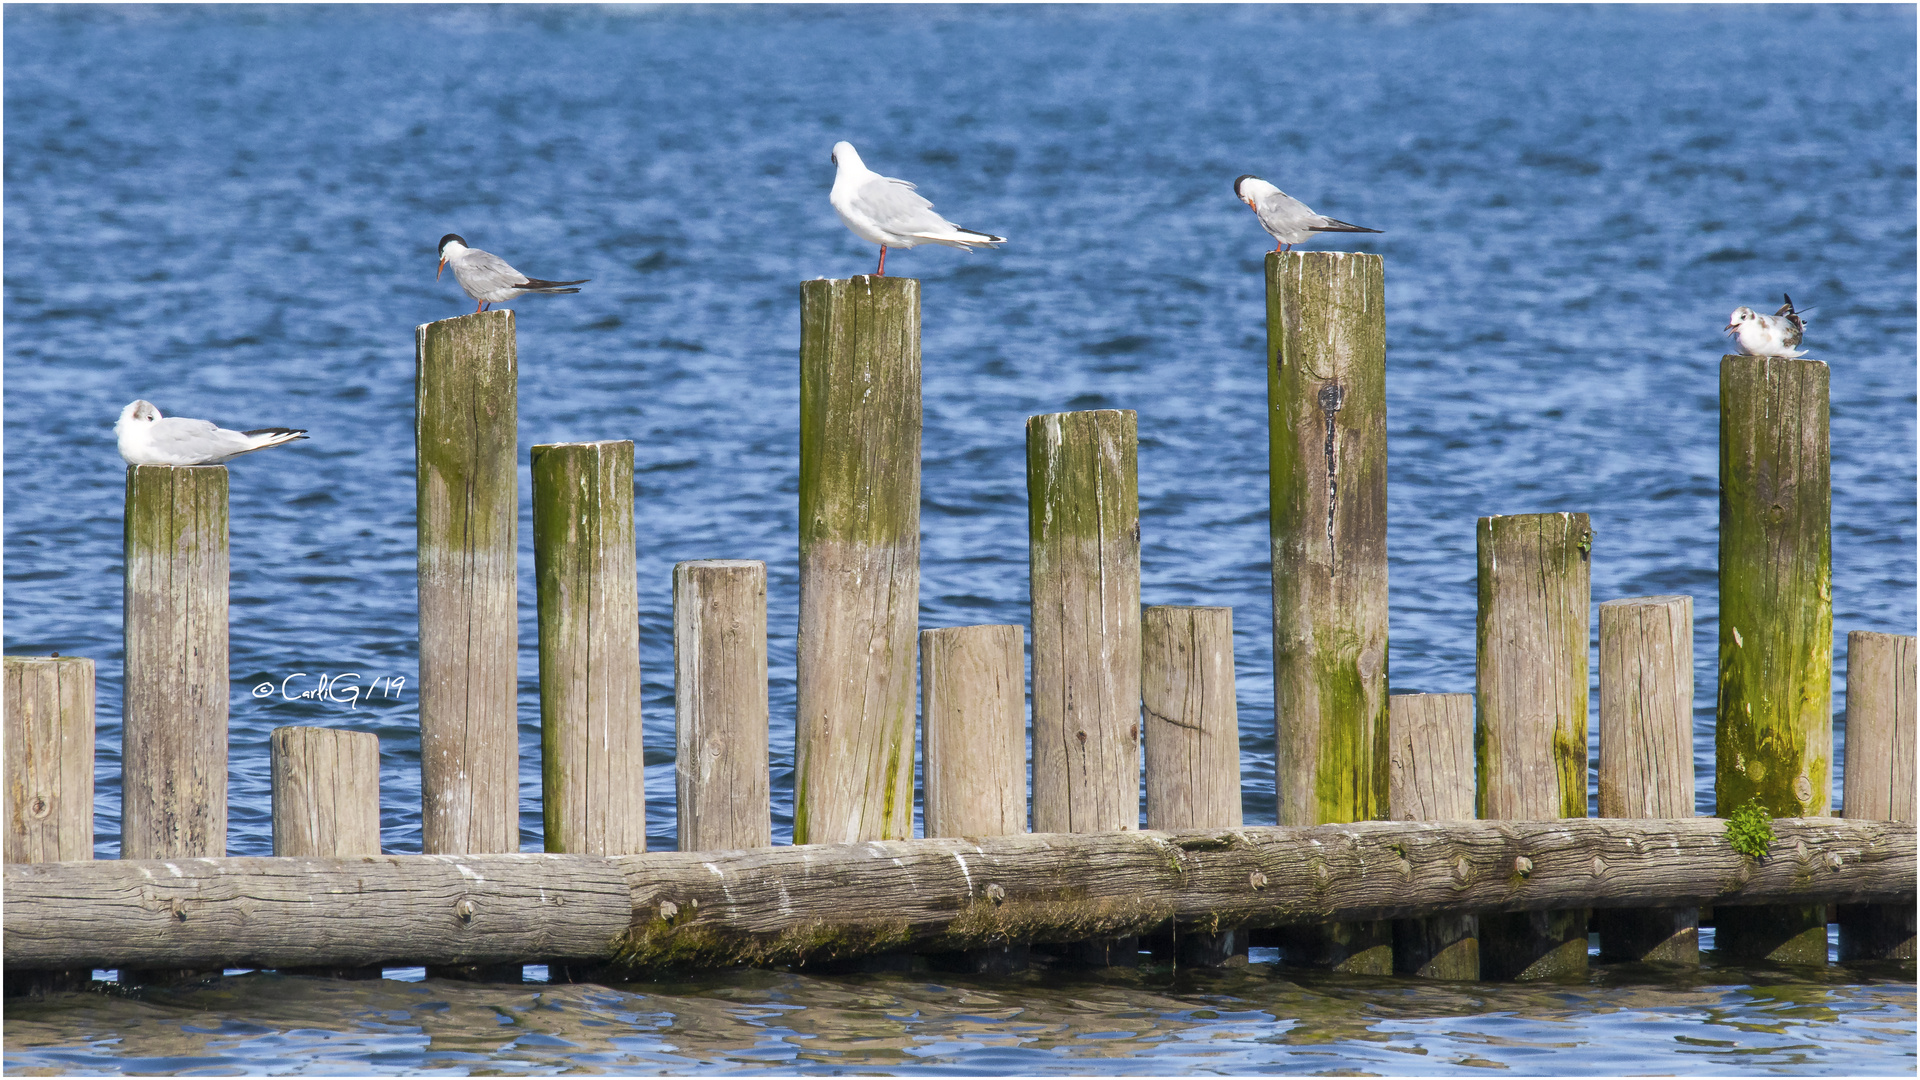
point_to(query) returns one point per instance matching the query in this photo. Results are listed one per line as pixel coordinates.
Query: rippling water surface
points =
(233, 212)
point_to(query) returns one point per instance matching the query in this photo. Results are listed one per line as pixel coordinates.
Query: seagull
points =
(1287, 218)
(889, 212)
(1768, 335)
(147, 438)
(487, 278)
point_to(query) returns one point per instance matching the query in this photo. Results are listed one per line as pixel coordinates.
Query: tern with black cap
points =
(1286, 218)
(487, 278)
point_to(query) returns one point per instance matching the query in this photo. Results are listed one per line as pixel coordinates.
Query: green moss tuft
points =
(1750, 830)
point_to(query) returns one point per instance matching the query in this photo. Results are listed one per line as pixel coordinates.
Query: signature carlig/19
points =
(344, 688)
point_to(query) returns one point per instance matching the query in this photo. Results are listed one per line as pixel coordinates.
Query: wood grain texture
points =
(1773, 740)
(326, 791)
(1083, 527)
(1646, 754)
(859, 558)
(174, 718)
(465, 441)
(973, 691)
(720, 704)
(592, 765)
(1431, 778)
(1192, 720)
(1327, 448)
(1531, 739)
(49, 755)
(781, 904)
(1879, 782)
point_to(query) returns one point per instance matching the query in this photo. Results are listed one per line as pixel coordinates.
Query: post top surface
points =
(719, 564)
(1644, 601)
(506, 313)
(49, 660)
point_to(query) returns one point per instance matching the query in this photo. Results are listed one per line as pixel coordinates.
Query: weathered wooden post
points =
(1879, 780)
(720, 704)
(973, 705)
(465, 439)
(1431, 778)
(49, 755)
(1531, 741)
(1646, 755)
(1773, 740)
(859, 558)
(1327, 455)
(584, 563)
(1083, 529)
(1192, 734)
(326, 802)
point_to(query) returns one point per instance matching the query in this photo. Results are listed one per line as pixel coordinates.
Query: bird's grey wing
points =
(1282, 211)
(896, 206)
(491, 269)
(178, 436)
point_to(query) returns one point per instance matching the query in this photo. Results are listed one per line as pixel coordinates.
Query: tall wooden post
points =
(720, 704)
(973, 704)
(174, 727)
(859, 558)
(1192, 744)
(592, 767)
(1431, 778)
(1531, 742)
(326, 802)
(465, 439)
(1327, 454)
(1879, 779)
(49, 758)
(1646, 755)
(1774, 738)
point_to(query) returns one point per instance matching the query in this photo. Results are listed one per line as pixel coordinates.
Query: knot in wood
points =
(179, 909)
(995, 893)
(1257, 879)
(38, 807)
(466, 909)
(1462, 871)
(669, 910)
(1803, 789)
(1834, 860)
(1522, 866)
(1082, 736)
(1599, 868)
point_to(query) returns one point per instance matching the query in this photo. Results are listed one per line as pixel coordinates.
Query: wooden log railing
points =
(665, 910)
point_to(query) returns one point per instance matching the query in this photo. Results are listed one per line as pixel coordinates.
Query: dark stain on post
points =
(1331, 398)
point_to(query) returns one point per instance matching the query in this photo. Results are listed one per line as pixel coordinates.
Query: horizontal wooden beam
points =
(782, 905)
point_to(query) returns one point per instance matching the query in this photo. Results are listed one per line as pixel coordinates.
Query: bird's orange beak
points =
(443, 266)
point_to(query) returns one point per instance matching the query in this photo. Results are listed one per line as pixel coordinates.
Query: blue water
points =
(233, 212)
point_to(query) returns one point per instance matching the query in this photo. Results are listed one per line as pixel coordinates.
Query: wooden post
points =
(1192, 734)
(859, 558)
(174, 726)
(720, 704)
(1879, 778)
(1531, 740)
(1646, 755)
(592, 769)
(1773, 741)
(973, 704)
(1327, 460)
(326, 802)
(1083, 550)
(465, 438)
(49, 755)
(1431, 778)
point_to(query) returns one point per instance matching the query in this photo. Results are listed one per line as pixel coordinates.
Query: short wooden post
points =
(973, 705)
(1431, 778)
(973, 696)
(1327, 458)
(465, 439)
(1083, 551)
(720, 704)
(49, 754)
(174, 726)
(592, 768)
(1773, 741)
(326, 802)
(1192, 735)
(859, 558)
(1531, 740)
(1879, 778)
(1646, 755)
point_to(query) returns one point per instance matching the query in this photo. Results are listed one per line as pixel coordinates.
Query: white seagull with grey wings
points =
(147, 438)
(1777, 334)
(486, 277)
(1289, 220)
(889, 212)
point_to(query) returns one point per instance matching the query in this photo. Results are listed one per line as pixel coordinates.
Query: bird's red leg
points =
(882, 272)
(479, 307)
(1277, 246)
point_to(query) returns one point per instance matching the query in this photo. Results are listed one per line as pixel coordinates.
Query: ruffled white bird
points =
(889, 212)
(486, 277)
(1289, 220)
(1777, 334)
(147, 438)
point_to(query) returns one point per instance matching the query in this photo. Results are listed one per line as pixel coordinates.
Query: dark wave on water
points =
(232, 212)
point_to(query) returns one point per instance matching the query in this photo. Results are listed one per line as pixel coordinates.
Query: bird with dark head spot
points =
(1286, 218)
(487, 278)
